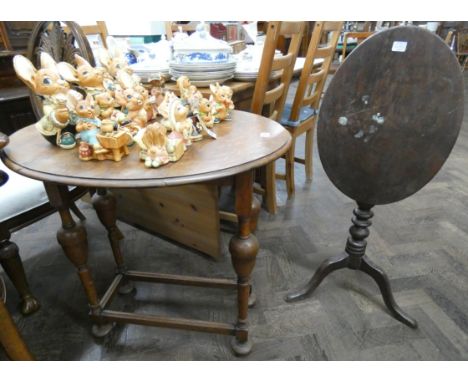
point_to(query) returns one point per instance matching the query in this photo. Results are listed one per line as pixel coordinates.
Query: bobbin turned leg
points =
(243, 248)
(13, 266)
(105, 205)
(73, 239)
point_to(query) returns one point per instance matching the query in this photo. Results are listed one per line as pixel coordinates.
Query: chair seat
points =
(305, 113)
(19, 194)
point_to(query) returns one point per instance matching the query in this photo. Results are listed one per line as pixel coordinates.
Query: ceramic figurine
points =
(113, 59)
(156, 98)
(163, 109)
(205, 114)
(90, 79)
(205, 118)
(87, 123)
(105, 105)
(147, 102)
(188, 92)
(132, 105)
(179, 120)
(85, 151)
(153, 143)
(222, 103)
(47, 83)
(175, 146)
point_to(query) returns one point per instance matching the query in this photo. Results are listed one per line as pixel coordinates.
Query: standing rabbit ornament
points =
(47, 83)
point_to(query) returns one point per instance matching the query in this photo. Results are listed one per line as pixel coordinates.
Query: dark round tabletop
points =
(246, 142)
(391, 115)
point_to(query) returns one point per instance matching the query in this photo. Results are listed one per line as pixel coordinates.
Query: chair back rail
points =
(312, 79)
(273, 96)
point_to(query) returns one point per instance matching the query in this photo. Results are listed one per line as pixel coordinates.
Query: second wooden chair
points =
(271, 89)
(300, 116)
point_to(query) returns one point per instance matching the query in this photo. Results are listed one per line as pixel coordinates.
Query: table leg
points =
(243, 248)
(105, 205)
(73, 239)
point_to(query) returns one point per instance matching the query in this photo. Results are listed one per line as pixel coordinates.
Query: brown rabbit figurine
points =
(46, 82)
(132, 105)
(222, 103)
(87, 123)
(90, 79)
(105, 105)
(153, 143)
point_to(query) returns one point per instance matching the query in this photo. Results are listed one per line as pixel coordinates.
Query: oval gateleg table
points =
(244, 143)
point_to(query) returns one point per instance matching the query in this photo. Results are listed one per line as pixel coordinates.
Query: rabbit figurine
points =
(188, 92)
(222, 103)
(132, 105)
(105, 105)
(90, 79)
(47, 83)
(153, 144)
(87, 123)
(179, 120)
(205, 114)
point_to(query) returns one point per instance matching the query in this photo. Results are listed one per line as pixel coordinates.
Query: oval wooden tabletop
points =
(246, 142)
(391, 115)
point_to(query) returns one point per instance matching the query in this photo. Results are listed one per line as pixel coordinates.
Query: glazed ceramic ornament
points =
(163, 109)
(222, 102)
(189, 93)
(180, 122)
(133, 106)
(86, 120)
(205, 118)
(92, 80)
(153, 144)
(47, 83)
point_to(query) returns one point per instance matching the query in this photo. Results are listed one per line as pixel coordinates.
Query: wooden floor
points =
(421, 242)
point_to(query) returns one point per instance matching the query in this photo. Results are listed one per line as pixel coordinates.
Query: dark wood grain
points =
(246, 142)
(418, 92)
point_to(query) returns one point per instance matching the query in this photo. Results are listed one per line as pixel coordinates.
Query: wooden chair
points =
(23, 200)
(10, 338)
(269, 96)
(360, 36)
(4, 39)
(99, 29)
(448, 39)
(301, 116)
(462, 48)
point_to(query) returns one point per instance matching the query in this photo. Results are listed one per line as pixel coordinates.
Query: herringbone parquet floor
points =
(421, 242)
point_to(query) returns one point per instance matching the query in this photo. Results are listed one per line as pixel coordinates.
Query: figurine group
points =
(106, 108)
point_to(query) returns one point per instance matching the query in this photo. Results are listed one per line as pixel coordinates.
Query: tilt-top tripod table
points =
(388, 122)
